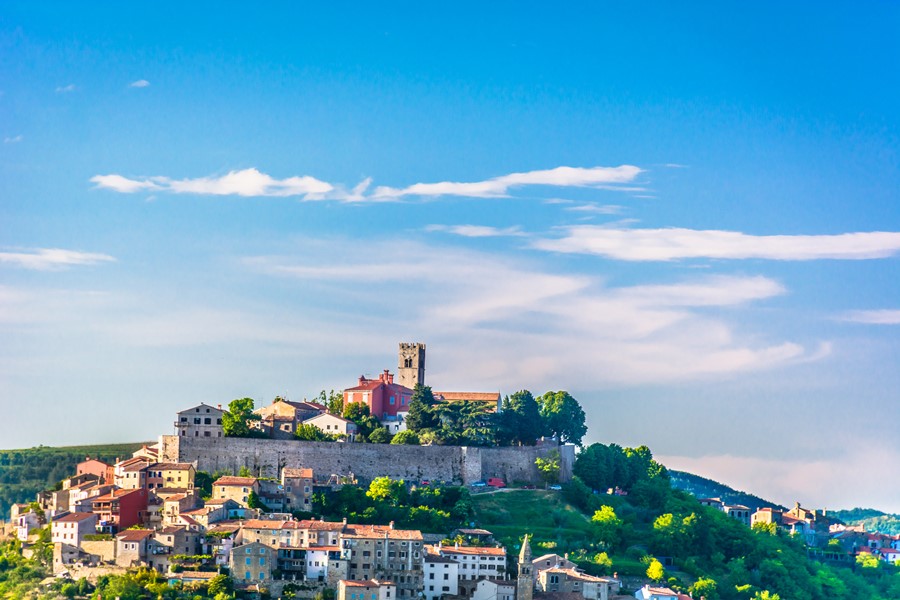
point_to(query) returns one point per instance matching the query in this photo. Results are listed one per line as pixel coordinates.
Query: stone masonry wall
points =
(365, 461)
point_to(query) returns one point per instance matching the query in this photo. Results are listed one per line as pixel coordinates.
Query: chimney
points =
(384, 376)
(362, 380)
(344, 521)
(219, 406)
(390, 378)
(391, 524)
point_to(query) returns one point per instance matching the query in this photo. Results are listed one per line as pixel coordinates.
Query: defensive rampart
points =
(366, 461)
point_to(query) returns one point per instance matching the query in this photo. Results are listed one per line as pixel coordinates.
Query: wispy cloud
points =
(873, 317)
(140, 83)
(47, 259)
(477, 231)
(247, 182)
(674, 243)
(599, 209)
(65, 89)
(13, 139)
(552, 326)
(499, 187)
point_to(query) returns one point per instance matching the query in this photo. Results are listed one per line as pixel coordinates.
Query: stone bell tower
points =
(411, 368)
(525, 582)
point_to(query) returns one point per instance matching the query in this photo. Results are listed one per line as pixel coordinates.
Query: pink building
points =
(385, 399)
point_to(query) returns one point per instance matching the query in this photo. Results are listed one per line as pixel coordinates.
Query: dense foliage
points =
(430, 509)
(24, 473)
(871, 519)
(710, 553)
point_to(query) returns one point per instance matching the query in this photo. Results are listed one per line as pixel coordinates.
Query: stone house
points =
(200, 421)
(235, 488)
(366, 590)
(441, 576)
(252, 563)
(280, 419)
(132, 547)
(384, 553)
(297, 487)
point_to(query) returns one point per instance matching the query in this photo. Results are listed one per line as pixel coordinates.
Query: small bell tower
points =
(525, 582)
(411, 366)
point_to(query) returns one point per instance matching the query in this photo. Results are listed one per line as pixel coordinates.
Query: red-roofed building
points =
(71, 528)
(120, 509)
(386, 400)
(235, 488)
(96, 467)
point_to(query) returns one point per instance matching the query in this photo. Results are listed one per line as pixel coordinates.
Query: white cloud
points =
(499, 320)
(675, 243)
(140, 83)
(498, 187)
(46, 259)
(599, 209)
(873, 317)
(477, 231)
(65, 89)
(247, 182)
(854, 479)
(13, 140)
(123, 184)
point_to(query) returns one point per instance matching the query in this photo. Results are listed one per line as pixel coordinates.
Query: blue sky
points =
(687, 216)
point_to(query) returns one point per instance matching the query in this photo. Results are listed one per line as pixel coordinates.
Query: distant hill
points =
(873, 520)
(701, 487)
(25, 472)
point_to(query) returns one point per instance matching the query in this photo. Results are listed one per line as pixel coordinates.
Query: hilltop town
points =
(370, 494)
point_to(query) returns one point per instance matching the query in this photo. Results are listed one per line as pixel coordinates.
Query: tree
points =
(422, 414)
(311, 433)
(655, 571)
(704, 587)
(221, 584)
(385, 489)
(245, 471)
(519, 420)
(253, 501)
(607, 526)
(380, 436)
(358, 412)
(236, 420)
(562, 417)
(765, 595)
(406, 437)
(333, 401)
(548, 467)
(203, 482)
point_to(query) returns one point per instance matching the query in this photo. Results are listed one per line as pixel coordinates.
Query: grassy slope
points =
(555, 525)
(25, 472)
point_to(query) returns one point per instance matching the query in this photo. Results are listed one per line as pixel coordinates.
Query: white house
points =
(334, 425)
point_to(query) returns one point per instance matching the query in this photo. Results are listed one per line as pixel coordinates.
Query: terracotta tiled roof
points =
(231, 480)
(74, 518)
(313, 525)
(381, 531)
(302, 473)
(369, 385)
(473, 550)
(196, 575)
(263, 524)
(173, 466)
(134, 535)
(467, 396)
(171, 530)
(365, 583)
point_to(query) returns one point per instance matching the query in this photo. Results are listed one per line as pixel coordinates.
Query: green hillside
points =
(701, 487)
(708, 552)
(23, 473)
(873, 520)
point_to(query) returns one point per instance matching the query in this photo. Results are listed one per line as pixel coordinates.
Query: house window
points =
(247, 575)
(196, 420)
(207, 421)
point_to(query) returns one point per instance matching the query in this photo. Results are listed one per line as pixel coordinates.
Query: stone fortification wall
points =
(365, 461)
